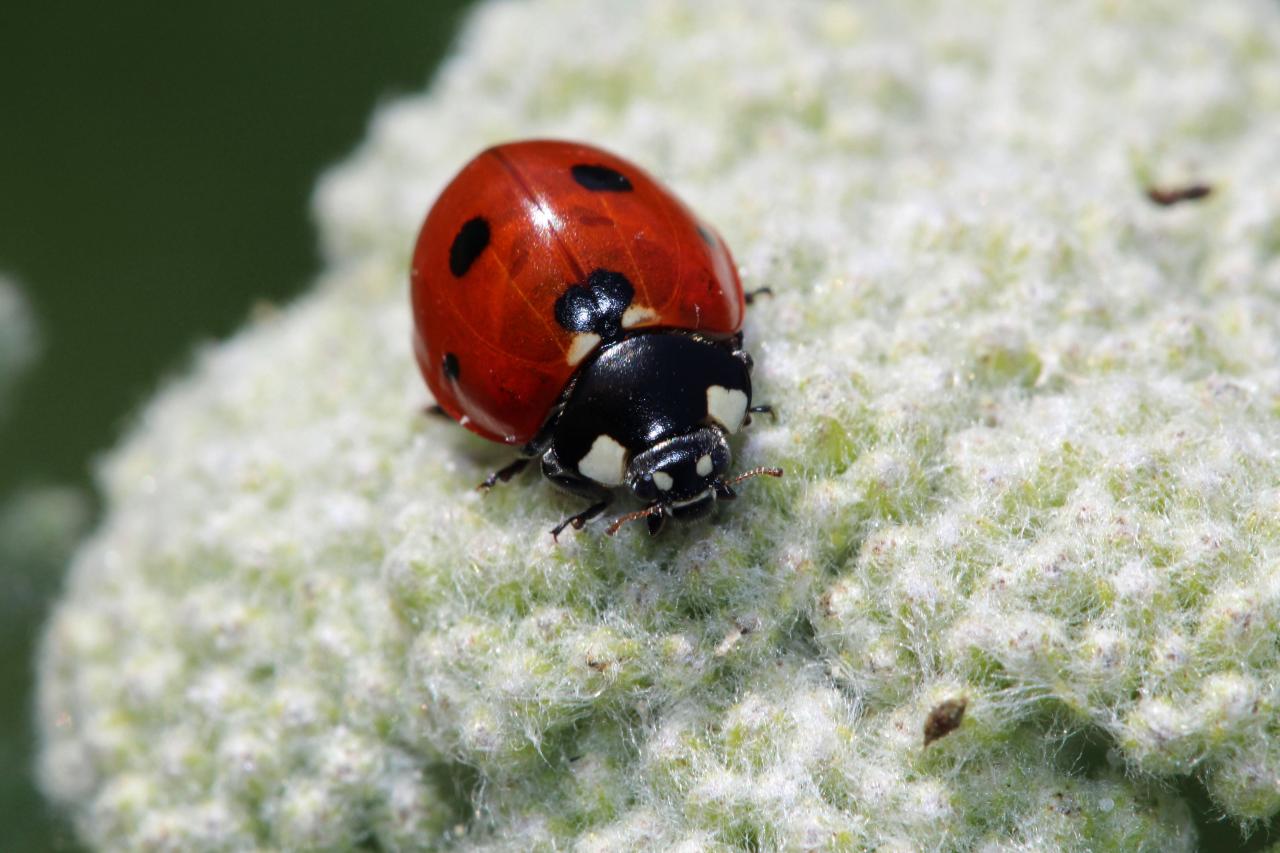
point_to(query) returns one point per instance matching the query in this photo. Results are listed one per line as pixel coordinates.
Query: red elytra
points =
(521, 224)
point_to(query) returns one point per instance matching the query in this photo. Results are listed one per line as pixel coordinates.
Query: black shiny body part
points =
(643, 390)
(650, 412)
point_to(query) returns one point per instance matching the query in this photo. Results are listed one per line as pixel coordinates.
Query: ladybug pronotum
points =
(567, 303)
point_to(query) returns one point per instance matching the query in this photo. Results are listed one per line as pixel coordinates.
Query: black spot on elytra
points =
(600, 178)
(596, 305)
(450, 365)
(469, 242)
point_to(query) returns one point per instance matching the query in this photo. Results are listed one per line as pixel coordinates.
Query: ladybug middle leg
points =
(762, 409)
(734, 346)
(528, 453)
(575, 484)
(504, 473)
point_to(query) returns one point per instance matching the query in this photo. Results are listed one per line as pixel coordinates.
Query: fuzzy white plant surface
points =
(1030, 422)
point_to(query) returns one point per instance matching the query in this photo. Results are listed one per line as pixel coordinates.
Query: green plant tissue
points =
(1030, 422)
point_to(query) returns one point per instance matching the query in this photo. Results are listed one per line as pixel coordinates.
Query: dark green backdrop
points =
(156, 162)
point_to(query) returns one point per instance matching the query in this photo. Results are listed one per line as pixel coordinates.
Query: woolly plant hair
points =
(1029, 420)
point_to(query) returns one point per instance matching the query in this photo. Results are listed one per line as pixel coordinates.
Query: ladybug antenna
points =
(754, 472)
(722, 490)
(651, 509)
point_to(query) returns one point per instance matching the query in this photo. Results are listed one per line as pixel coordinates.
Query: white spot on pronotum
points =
(663, 480)
(605, 462)
(727, 406)
(637, 314)
(704, 465)
(583, 343)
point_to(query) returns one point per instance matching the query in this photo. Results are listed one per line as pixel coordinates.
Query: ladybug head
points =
(680, 469)
(680, 478)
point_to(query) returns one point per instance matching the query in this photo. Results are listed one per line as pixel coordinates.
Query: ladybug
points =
(567, 303)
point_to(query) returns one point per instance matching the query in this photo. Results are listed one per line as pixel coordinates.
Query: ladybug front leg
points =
(575, 484)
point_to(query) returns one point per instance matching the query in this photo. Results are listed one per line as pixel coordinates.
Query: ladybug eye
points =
(644, 488)
(600, 178)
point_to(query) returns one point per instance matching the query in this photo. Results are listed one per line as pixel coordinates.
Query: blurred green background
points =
(156, 163)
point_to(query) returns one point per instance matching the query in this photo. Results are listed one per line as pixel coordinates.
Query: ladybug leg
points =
(656, 522)
(762, 409)
(435, 410)
(751, 295)
(580, 520)
(734, 346)
(504, 474)
(528, 453)
(575, 484)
